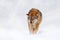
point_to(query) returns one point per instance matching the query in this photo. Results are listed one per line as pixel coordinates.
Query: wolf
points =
(34, 20)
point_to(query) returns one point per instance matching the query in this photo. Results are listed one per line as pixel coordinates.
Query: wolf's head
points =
(33, 14)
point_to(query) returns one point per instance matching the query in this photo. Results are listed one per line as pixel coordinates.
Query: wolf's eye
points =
(36, 17)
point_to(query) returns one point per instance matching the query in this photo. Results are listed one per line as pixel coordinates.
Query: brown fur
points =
(32, 15)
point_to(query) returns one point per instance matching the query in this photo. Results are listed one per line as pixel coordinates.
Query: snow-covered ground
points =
(13, 19)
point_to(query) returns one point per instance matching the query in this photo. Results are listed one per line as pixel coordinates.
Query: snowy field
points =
(13, 19)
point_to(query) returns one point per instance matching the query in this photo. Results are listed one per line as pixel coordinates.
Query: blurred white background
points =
(13, 19)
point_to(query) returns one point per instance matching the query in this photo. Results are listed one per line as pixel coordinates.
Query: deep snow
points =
(13, 19)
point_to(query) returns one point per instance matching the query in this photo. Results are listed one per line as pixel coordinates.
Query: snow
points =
(13, 19)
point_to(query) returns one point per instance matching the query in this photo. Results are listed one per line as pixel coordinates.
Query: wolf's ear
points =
(27, 14)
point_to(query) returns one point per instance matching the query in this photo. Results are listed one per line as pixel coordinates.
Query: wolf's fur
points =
(34, 19)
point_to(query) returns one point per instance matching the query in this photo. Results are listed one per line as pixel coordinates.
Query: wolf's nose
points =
(30, 21)
(33, 29)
